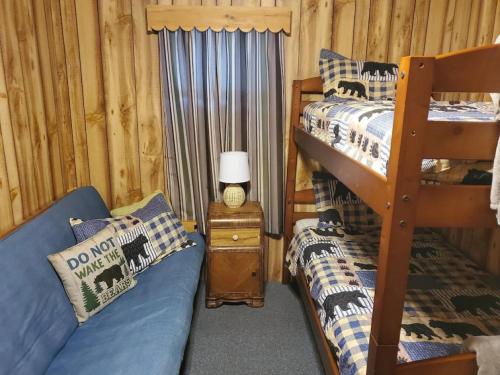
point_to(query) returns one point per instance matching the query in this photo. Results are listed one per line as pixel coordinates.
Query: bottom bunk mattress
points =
(449, 298)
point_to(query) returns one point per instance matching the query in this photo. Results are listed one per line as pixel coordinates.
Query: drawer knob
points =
(235, 237)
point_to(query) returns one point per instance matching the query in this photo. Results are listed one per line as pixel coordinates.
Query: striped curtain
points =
(223, 91)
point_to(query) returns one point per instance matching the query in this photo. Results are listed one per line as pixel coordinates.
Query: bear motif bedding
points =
(363, 129)
(448, 298)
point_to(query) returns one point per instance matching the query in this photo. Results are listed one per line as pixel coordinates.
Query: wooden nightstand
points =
(235, 255)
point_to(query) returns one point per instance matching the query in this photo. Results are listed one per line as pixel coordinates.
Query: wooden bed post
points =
(291, 173)
(403, 181)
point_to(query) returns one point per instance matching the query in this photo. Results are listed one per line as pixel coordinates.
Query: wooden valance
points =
(218, 18)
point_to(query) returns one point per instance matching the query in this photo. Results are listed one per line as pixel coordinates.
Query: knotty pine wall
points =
(79, 103)
(80, 89)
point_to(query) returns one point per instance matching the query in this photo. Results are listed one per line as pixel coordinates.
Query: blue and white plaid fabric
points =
(330, 193)
(88, 228)
(297, 244)
(363, 130)
(448, 298)
(128, 229)
(165, 230)
(167, 234)
(357, 79)
(352, 359)
(360, 215)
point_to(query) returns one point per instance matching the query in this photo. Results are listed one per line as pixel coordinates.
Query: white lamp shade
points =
(233, 167)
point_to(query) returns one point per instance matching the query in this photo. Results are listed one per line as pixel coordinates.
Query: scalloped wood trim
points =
(218, 18)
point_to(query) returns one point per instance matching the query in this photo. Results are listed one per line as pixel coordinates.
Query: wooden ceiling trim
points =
(218, 18)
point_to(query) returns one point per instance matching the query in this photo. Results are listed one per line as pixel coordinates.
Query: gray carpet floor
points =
(236, 339)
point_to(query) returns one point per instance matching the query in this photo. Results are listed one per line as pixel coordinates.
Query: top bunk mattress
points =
(363, 129)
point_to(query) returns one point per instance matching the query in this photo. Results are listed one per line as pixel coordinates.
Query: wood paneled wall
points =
(80, 103)
(80, 88)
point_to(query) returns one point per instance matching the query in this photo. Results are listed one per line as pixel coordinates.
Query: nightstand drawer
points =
(235, 237)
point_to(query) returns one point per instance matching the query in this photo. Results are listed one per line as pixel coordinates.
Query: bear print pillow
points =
(132, 236)
(338, 206)
(357, 79)
(94, 273)
(166, 230)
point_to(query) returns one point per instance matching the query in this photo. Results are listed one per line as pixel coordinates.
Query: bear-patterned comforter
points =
(448, 298)
(363, 129)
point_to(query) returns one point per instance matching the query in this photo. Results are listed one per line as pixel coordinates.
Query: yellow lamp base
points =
(234, 196)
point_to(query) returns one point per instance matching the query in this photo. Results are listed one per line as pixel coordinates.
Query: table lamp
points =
(233, 170)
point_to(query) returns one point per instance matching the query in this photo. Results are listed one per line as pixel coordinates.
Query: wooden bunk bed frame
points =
(400, 199)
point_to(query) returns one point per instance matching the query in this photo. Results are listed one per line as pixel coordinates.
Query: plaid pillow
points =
(164, 230)
(357, 79)
(131, 233)
(86, 229)
(339, 206)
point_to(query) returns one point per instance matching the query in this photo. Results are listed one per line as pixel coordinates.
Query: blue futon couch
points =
(143, 332)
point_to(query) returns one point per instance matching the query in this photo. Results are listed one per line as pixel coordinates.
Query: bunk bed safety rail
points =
(469, 70)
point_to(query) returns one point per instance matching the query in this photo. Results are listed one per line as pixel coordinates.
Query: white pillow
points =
(302, 224)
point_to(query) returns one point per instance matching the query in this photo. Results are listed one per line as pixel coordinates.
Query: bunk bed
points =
(398, 196)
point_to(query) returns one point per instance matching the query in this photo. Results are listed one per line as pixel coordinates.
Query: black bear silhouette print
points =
(317, 249)
(342, 194)
(475, 304)
(336, 134)
(373, 67)
(365, 266)
(374, 150)
(456, 328)
(352, 136)
(327, 232)
(420, 330)
(353, 88)
(365, 144)
(352, 230)
(342, 300)
(453, 106)
(331, 216)
(376, 111)
(109, 275)
(330, 93)
(133, 249)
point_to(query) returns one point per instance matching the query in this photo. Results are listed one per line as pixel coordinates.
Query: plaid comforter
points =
(448, 299)
(363, 129)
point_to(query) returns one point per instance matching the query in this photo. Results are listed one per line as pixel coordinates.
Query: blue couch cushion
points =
(37, 318)
(145, 330)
